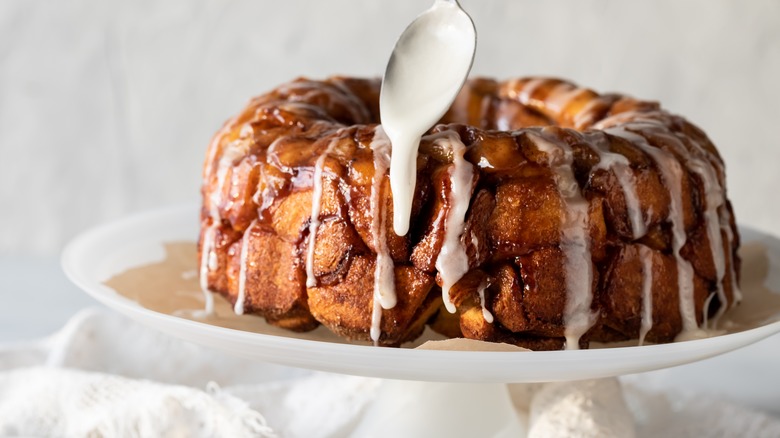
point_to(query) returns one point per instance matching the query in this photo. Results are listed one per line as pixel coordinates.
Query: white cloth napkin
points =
(104, 375)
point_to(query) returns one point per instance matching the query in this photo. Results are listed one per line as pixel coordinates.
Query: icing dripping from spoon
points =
(428, 67)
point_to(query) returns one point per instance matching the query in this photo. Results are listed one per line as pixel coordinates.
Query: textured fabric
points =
(63, 402)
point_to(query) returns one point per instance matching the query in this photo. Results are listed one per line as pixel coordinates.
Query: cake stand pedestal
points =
(428, 409)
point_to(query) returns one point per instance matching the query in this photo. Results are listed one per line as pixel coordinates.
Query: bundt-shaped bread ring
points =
(551, 215)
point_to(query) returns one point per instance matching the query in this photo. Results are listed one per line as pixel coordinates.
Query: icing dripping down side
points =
(724, 215)
(671, 173)
(706, 320)
(585, 116)
(452, 261)
(706, 170)
(714, 201)
(403, 179)
(575, 242)
(561, 96)
(524, 95)
(238, 308)
(647, 292)
(316, 205)
(619, 165)
(721, 213)
(232, 152)
(384, 274)
(481, 292)
(430, 62)
(716, 214)
(726, 226)
(206, 258)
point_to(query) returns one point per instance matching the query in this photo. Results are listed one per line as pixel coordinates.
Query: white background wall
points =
(106, 106)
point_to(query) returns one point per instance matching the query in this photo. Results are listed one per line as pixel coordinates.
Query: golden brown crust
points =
(257, 199)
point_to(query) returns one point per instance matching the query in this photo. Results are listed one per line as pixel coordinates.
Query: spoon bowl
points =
(428, 67)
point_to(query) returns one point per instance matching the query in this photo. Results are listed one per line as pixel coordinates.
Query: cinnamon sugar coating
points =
(258, 192)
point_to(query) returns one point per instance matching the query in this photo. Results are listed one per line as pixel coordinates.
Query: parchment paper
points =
(171, 286)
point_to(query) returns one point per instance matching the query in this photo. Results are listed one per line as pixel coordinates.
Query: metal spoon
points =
(427, 69)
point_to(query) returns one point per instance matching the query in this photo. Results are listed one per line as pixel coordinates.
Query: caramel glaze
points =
(513, 227)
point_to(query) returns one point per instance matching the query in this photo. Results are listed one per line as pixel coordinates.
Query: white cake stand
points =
(430, 389)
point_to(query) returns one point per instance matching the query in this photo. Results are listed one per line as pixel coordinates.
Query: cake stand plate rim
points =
(88, 258)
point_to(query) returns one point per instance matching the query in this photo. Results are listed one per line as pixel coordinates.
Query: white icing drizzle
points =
(272, 156)
(725, 223)
(671, 172)
(617, 119)
(234, 182)
(619, 165)
(585, 115)
(502, 123)
(313, 90)
(575, 242)
(724, 217)
(232, 152)
(213, 261)
(561, 96)
(475, 243)
(429, 64)
(403, 178)
(207, 253)
(316, 205)
(262, 185)
(646, 256)
(717, 212)
(716, 215)
(384, 273)
(452, 261)
(481, 292)
(706, 321)
(238, 308)
(714, 200)
(376, 319)
(526, 91)
(263, 197)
